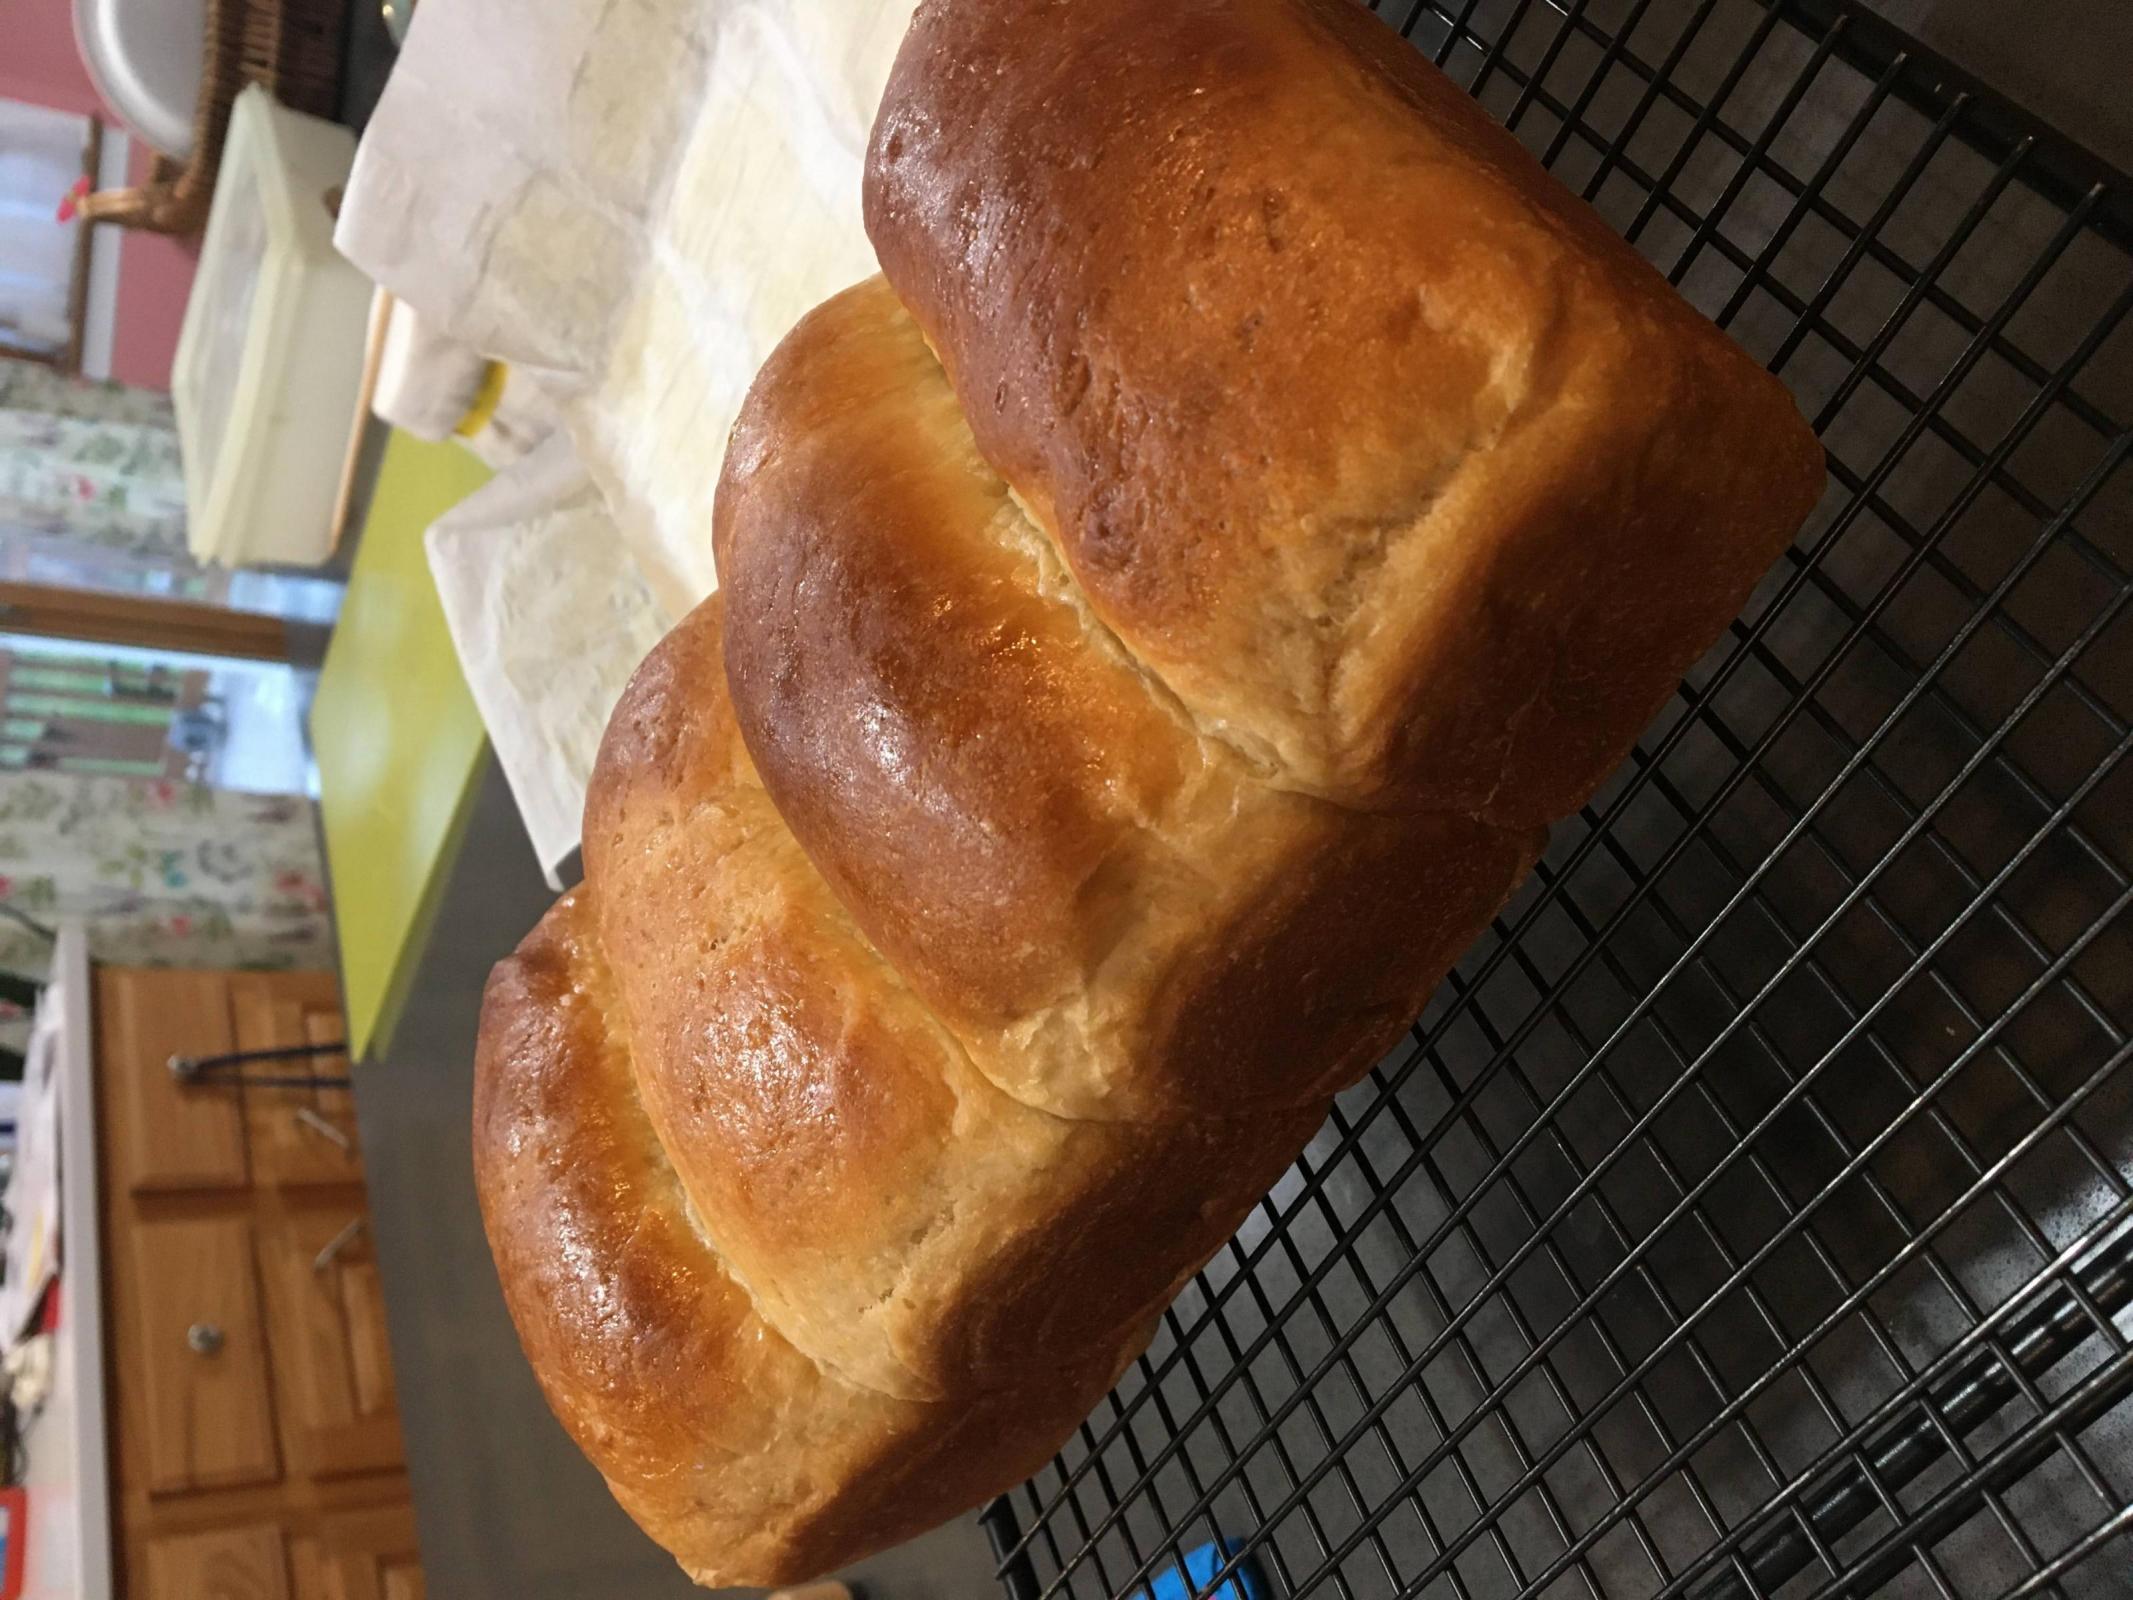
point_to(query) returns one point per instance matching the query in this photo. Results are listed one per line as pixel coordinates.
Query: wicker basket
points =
(292, 48)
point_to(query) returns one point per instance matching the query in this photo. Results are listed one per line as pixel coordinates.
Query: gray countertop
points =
(2067, 61)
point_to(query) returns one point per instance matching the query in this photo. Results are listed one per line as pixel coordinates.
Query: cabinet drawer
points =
(165, 1135)
(297, 1136)
(202, 1357)
(371, 1555)
(327, 1326)
(228, 1564)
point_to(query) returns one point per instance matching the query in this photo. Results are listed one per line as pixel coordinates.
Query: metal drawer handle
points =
(337, 1244)
(307, 1118)
(229, 1067)
(204, 1339)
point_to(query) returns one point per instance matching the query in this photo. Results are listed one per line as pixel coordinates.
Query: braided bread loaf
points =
(1159, 620)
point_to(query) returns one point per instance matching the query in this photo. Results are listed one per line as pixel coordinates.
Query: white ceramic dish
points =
(144, 57)
(270, 361)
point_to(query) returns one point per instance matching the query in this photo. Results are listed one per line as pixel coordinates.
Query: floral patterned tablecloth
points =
(163, 874)
(95, 461)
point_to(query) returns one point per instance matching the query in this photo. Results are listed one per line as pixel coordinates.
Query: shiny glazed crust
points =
(1400, 469)
(1113, 915)
(1158, 622)
(750, 1462)
(895, 1214)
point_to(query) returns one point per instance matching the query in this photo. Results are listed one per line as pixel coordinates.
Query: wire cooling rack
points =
(1752, 1213)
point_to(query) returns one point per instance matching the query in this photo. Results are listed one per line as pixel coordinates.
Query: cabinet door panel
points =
(332, 1364)
(202, 1357)
(371, 1555)
(370, 1360)
(228, 1564)
(298, 1136)
(308, 1570)
(165, 1135)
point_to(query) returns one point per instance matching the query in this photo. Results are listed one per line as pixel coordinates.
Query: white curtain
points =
(41, 155)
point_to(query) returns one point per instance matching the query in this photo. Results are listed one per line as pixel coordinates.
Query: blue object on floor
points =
(1188, 1579)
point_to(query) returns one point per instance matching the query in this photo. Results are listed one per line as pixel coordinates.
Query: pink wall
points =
(41, 65)
(155, 276)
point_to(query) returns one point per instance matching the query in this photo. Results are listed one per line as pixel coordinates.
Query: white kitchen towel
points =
(549, 625)
(633, 201)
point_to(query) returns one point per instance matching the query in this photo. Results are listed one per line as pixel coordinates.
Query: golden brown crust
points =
(1400, 469)
(894, 1214)
(985, 892)
(744, 1458)
(1111, 913)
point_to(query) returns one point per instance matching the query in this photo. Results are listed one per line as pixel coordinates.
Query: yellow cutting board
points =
(398, 740)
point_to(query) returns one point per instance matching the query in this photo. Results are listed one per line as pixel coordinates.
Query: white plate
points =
(144, 57)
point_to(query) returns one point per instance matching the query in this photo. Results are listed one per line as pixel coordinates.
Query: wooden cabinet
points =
(158, 1135)
(355, 1555)
(322, 1288)
(249, 1563)
(257, 1440)
(296, 1137)
(208, 1415)
(370, 1555)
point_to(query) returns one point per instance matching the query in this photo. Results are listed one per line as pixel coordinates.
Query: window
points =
(100, 710)
(44, 263)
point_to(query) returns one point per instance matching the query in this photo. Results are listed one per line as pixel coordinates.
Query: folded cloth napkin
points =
(428, 384)
(640, 198)
(549, 628)
(434, 387)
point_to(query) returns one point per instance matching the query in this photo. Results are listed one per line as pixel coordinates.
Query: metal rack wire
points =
(1752, 1213)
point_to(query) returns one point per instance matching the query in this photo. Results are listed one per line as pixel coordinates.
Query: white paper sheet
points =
(32, 1198)
(531, 588)
(640, 199)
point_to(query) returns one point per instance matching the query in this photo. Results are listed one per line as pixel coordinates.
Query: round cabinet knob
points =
(204, 1339)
